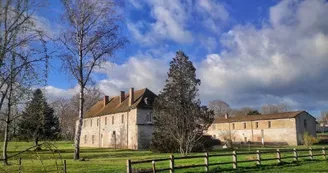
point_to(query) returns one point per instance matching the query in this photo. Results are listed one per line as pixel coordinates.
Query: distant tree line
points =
(67, 110)
(221, 108)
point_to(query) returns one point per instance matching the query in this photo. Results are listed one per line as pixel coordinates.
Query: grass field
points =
(109, 160)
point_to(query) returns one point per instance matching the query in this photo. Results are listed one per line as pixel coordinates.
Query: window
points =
(256, 124)
(122, 116)
(93, 139)
(114, 133)
(245, 139)
(112, 119)
(85, 139)
(269, 124)
(244, 125)
(105, 120)
(233, 125)
(305, 124)
(91, 123)
(149, 117)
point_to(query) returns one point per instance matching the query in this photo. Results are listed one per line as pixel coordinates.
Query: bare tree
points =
(228, 136)
(219, 107)
(91, 37)
(275, 108)
(21, 38)
(67, 110)
(324, 117)
(244, 111)
(23, 53)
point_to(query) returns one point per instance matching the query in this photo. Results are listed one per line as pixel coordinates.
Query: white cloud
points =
(170, 23)
(212, 13)
(282, 61)
(139, 71)
(173, 20)
(53, 93)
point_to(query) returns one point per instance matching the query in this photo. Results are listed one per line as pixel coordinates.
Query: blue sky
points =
(247, 53)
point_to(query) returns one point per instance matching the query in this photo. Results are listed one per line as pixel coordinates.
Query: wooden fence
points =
(234, 161)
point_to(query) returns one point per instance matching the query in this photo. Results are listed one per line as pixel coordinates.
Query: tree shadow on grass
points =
(243, 169)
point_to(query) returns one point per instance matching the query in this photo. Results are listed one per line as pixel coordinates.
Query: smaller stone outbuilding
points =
(285, 128)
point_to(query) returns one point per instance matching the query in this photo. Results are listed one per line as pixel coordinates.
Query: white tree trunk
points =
(5, 141)
(79, 127)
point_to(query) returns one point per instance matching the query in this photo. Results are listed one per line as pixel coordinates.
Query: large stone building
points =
(124, 121)
(281, 128)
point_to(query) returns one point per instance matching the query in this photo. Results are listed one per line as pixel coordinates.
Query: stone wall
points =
(130, 130)
(305, 123)
(115, 130)
(280, 131)
(145, 128)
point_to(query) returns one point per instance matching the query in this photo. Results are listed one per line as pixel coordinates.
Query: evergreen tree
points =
(254, 112)
(51, 127)
(179, 118)
(38, 120)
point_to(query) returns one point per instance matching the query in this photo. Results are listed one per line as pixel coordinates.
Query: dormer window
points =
(146, 100)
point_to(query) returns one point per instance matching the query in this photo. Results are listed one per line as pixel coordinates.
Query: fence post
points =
(128, 166)
(206, 162)
(65, 169)
(310, 153)
(234, 160)
(295, 155)
(324, 153)
(20, 164)
(278, 156)
(258, 155)
(171, 164)
(154, 166)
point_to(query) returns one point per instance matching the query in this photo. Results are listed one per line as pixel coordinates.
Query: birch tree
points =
(91, 37)
(23, 54)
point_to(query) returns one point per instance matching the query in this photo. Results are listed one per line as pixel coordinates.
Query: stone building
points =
(123, 121)
(281, 128)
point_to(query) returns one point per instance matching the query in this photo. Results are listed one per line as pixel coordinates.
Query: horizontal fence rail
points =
(257, 159)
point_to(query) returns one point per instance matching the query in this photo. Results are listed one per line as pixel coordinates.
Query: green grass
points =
(109, 160)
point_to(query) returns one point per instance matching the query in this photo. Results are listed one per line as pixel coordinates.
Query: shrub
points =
(309, 140)
(227, 136)
(206, 143)
(162, 142)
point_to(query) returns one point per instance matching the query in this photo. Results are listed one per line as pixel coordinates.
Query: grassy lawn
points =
(109, 160)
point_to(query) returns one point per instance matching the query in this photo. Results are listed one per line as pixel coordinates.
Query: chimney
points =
(106, 100)
(226, 116)
(131, 96)
(122, 97)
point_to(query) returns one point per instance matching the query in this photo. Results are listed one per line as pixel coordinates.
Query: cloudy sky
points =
(247, 53)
